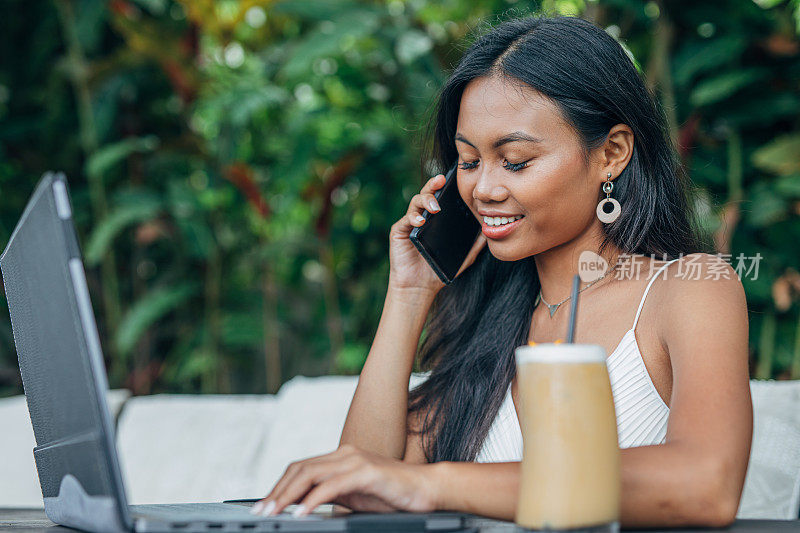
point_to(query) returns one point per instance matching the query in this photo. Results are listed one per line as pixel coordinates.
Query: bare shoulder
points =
(705, 277)
(704, 303)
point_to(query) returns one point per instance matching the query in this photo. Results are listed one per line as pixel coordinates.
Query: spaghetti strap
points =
(641, 303)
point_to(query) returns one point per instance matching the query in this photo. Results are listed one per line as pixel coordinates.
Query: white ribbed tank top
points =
(641, 413)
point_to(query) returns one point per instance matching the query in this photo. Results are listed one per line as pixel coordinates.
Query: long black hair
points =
(476, 323)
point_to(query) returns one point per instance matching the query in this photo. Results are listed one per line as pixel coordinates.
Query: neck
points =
(558, 265)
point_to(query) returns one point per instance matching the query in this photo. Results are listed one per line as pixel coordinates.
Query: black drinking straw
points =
(573, 308)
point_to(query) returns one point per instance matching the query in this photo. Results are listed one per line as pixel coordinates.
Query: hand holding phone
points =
(433, 243)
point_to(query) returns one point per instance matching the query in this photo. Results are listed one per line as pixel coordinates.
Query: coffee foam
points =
(560, 353)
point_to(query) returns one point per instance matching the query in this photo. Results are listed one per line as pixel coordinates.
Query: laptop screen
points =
(61, 362)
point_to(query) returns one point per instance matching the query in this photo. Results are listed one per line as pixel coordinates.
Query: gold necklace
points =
(553, 307)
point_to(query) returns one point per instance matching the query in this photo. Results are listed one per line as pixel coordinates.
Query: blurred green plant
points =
(236, 165)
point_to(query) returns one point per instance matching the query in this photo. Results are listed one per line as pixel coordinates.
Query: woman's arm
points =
(376, 420)
(705, 332)
(696, 477)
(661, 487)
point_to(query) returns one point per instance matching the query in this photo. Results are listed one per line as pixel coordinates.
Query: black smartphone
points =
(447, 236)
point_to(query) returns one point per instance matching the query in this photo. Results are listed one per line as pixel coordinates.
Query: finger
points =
(423, 201)
(418, 204)
(266, 505)
(414, 219)
(405, 224)
(307, 477)
(480, 242)
(433, 184)
(289, 474)
(328, 490)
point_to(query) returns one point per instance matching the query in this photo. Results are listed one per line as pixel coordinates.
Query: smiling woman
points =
(546, 117)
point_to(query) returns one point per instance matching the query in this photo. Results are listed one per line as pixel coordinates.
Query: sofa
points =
(204, 448)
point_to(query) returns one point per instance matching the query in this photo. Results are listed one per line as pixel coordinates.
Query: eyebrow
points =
(511, 137)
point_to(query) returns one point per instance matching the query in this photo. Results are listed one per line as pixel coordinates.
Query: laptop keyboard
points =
(226, 517)
(217, 512)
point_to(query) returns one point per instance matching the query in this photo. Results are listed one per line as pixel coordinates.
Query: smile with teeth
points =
(500, 221)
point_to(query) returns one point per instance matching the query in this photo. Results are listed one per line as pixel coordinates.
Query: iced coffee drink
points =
(570, 474)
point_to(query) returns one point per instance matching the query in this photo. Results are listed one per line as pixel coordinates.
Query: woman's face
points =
(545, 180)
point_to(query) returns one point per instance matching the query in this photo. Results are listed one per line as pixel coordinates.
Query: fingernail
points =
(257, 507)
(433, 205)
(268, 508)
(420, 218)
(299, 510)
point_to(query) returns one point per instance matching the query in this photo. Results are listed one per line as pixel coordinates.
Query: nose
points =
(489, 187)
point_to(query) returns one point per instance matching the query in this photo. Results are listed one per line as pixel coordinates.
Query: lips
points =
(500, 220)
(501, 231)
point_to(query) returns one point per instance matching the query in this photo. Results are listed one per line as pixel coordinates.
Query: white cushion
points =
(19, 481)
(192, 448)
(772, 484)
(179, 448)
(310, 419)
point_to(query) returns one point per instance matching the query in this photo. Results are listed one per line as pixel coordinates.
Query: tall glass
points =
(570, 477)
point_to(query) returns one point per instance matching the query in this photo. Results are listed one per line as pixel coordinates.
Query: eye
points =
(514, 167)
(468, 165)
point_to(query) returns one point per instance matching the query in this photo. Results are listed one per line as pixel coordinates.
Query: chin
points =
(504, 252)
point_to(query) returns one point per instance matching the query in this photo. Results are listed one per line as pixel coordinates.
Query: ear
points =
(616, 152)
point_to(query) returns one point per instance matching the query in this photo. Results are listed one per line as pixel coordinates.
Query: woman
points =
(541, 115)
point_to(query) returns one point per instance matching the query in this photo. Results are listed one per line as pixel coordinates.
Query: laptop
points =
(65, 382)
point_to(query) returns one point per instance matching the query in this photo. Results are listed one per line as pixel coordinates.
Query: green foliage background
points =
(236, 165)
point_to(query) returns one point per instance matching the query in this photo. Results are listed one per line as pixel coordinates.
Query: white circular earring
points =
(608, 202)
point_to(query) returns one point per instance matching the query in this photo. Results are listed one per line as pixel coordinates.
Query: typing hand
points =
(357, 479)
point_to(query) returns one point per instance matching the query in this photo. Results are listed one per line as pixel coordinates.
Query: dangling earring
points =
(602, 214)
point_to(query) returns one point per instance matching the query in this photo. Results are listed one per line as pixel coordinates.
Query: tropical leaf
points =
(702, 56)
(411, 45)
(156, 7)
(781, 156)
(765, 207)
(89, 26)
(351, 358)
(150, 308)
(789, 185)
(764, 110)
(767, 4)
(199, 363)
(352, 25)
(109, 155)
(120, 218)
(718, 88)
(796, 6)
(314, 9)
(243, 329)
